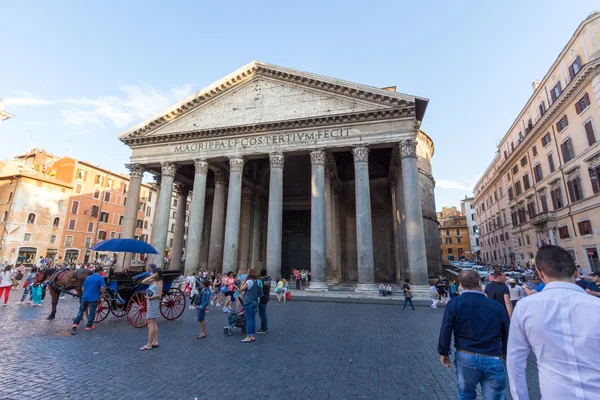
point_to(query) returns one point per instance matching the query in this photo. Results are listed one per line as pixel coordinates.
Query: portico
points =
(304, 171)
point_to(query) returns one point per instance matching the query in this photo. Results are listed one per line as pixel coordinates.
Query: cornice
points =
(253, 70)
(285, 125)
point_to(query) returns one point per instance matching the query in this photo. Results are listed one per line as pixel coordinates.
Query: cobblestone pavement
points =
(313, 351)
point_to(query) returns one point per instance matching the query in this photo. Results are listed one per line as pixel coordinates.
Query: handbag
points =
(409, 294)
(224, 289)
(276, 290)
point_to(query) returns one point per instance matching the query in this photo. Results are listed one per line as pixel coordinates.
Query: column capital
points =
(135, 170)
(169, 168)
(247, 194)
(201, 166)
(408, 149)
(236, 164)
(317, 157)
(277, 160)
(361, 154)
(220, 177)
(181, 189)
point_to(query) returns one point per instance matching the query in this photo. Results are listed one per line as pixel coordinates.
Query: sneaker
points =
(218, 304)
(404, 309)
(89, 328)
(18, 302)
(192, 307)
(212, 302)
(74, 326)
(225, 310)
(261, 331)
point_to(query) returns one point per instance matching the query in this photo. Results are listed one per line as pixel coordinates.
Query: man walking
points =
(560, 325)
(498, 291)
(593, 287)
(265, 280)
(480, 327)
(93, 287)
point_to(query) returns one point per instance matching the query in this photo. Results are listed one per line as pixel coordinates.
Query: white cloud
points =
(466, 184)
(24, 98)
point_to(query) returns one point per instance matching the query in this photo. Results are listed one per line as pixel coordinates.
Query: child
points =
(434, 295)
(202, 302)
(36, 293)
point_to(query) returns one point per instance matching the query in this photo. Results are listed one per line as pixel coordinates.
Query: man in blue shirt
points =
(480, 328)
(93, 288)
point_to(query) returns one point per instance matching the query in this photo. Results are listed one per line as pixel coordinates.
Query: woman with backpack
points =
(252, 292)
(6, 283)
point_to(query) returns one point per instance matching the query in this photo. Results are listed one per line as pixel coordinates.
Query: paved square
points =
(313, 351)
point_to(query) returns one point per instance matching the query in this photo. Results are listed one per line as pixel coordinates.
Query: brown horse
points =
(62, 279)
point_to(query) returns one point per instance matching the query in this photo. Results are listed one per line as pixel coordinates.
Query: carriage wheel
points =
(118, 309)
(102, 310)
(172, 304)
(137, 310)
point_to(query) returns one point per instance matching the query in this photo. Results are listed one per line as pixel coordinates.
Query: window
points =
(74, 207)
(459, 240)
(174, 214)
(447, 232)
(96, 193)
(457, 231)
(52, 239)
(518, 189)
(120, 220)
(534, 151)
(150, 196)
(31, 218)
(526, 184)
(124, 187)
(81, 174)
(567, 150)
(595, 179)
(562, 123)
(537, 173)
(574, 189)
(575, 67)
(78, 188)
(520, 242)
(113, 235)
(582, 104)
(88, 242)
(27, 237)
(502, 238)
(450, 251)
(109, 183)
(546, 139)
(555, 92)
(563, 232)
(172, 227)
(107, 197)
(527, 240)
(505, 155)
(589, 132)
(542, 108)
(90, 227)
(448, 240)
(102, 235)
(506, 235)
(524, 161)
(460, 250)
(585, 227)
(531, 208)
(475, 229)
(171, 242)
(55, 222)
(139, 224)
(103, 216)
(556, 196)
(551, 163)
(512, 146)
(142, 206)
(515, 169)
(68, 241)
(472, 217)
(510, 194)
(72, 223)
(500, 190)
(174, 202)
(495, 196)
(98, 180)
(124, 201)
(148, 211)
(145, 224)
(544, 202)
(5, 216)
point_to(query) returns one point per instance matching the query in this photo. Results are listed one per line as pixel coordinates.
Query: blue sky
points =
(76, 74)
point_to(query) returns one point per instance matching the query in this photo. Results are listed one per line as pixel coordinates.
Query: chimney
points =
(535, 84)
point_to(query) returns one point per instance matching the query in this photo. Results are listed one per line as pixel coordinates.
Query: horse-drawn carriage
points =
(125, 296)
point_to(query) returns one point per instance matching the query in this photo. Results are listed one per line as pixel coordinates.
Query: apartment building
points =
(468, 210)
(454, 235)
(543, 184)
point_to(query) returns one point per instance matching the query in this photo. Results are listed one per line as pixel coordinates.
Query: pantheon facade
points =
(292, 170)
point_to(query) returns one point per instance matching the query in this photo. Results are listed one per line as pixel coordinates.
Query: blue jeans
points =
(488, 371)
(91, 314)
(408, 300)
(250, 309)
(262, 313)
(25, 293)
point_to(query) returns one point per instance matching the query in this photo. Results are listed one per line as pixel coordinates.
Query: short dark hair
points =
(158, 273)
(469, 279)
(206, 283)
(98, 269)
(555, 262)
(263, 272)
(251, 274)
(498, 272)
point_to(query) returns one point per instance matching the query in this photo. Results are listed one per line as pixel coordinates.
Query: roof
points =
(247, 72)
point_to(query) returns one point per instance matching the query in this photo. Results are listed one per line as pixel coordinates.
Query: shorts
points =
(201, 313)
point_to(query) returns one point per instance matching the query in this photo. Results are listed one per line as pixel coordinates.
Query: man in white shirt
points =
(560, 325)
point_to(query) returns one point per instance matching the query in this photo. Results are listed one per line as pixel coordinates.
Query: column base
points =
(366, 288)
(317, 287)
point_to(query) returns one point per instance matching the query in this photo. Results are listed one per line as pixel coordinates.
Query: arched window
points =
(10, 197)
(31, 218)
(5, 216)
(56, 221)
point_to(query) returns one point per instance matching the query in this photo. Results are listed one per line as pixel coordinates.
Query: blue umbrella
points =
(125, 245)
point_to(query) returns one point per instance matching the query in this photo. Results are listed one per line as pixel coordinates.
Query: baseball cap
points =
(152, 265)
(595, 273)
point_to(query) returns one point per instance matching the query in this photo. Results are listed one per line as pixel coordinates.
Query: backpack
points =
(19, 276)
(259, 289)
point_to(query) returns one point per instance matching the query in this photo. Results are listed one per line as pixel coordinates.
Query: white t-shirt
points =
(432, 291)
(5, 281)
(190, 279)
(516, 293)
(250, 283)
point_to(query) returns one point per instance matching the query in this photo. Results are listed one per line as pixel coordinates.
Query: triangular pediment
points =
(260, 94)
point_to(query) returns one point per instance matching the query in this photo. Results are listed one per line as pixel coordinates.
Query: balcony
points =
(543, 217)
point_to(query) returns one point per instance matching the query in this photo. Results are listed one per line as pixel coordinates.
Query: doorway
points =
(295, 251)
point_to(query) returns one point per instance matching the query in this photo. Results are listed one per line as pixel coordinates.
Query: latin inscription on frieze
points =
(265, 140)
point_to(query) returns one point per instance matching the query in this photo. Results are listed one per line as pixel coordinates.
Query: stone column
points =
(364, 229)
(159, 240)
(157, 196)
(275, 215)
(245, 232)
(328, 223)
(337, 233)
(215, 251)
(179, 231)
(415, 236)
(395, 221)
(131, 212)
(232, 222)
(196, 222)
(317, 221)
(256, 232)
